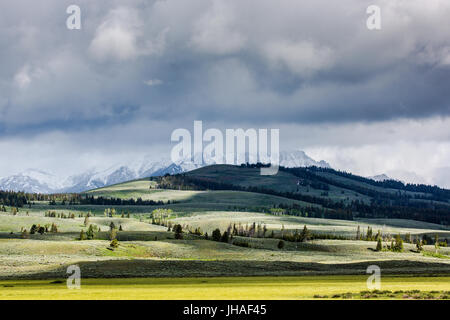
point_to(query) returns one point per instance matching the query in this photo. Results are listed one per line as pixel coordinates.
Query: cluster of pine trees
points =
(53, 228)
(13, 199)
(400, 205)
(61, 215)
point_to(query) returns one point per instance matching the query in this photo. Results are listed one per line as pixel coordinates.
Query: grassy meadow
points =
(150, 263)
(230, 288)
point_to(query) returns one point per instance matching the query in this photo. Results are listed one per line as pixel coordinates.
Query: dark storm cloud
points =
(261, 61)
(366, 101)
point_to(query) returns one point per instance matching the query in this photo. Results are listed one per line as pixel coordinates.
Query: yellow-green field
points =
(150, 262)
(276, 288)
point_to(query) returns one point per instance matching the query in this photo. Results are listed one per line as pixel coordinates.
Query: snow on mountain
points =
(32, 180)
(43, 182)
(294, 159)
(380, 177)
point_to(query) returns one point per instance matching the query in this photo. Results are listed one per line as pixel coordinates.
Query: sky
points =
(366, 101)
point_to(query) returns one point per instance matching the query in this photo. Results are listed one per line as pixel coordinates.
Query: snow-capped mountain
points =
(32, 180)
(380, 177)
(43, 182)
(295, 159)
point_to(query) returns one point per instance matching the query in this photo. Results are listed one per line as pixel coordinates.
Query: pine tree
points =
(33, 229)
(379, 244)
(112, 234)
(225, 237)
(369, 234)
(398, 244)
(178, 229)
(24, 234)
(83, 235)
(304, 236)
(114, 243)
(90, 234)
(408, 238)
(436, 243)
(54, 228)
(419, 245)
(216, 235)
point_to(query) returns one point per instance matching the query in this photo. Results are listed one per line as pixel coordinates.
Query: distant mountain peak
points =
(35, 180)
(380, 177)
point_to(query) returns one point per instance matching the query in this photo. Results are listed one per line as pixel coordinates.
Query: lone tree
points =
(379, 244)
(90, 234)
(216, 235)
(419, 245)
(281, 244)
(114, 243)
(178, 229)
(358, 233)
(436, 243)
(398, 244)
(112, 234)
(82, 235)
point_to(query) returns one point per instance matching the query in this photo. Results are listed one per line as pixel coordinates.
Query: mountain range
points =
(39, 181)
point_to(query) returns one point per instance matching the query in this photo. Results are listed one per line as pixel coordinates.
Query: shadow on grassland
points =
(138, 268)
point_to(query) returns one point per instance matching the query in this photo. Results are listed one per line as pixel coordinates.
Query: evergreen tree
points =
(304, 236)
(408, 238)
(379, 244)
(419, 245)
(112, 234)
(114, 243)
(54, 228)
(436, 243)
(41, 230)
(83, 235)
(178, 229)
(24, 234)
(225, 237)
(398, 244)
(33, 229)
(90, 234)
(216, 235)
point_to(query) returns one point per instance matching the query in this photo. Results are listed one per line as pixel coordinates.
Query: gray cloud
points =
(140, 66)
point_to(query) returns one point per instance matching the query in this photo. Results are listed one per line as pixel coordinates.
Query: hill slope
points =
(43, 182)
(323, 191)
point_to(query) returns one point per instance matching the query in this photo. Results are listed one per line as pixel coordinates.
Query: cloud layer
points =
(139, 69)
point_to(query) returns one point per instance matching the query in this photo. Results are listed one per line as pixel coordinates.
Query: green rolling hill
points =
(314, 192)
